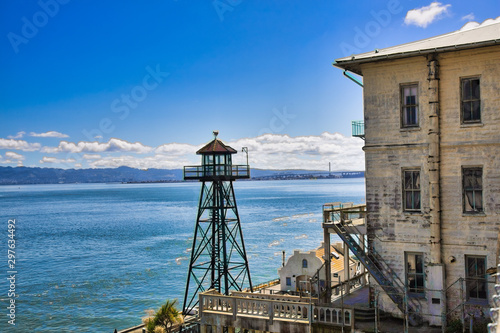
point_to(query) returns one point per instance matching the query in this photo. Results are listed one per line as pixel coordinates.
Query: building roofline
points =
(482, 35)
(347, 65)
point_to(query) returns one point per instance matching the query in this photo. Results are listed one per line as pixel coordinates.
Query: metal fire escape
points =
(341, 219)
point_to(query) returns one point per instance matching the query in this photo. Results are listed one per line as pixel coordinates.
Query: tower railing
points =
(216, 170)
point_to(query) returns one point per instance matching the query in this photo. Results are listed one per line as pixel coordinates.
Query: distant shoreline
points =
(183, 181)
(126, 175)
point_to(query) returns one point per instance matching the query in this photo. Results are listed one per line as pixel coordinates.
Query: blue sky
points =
(144, 83)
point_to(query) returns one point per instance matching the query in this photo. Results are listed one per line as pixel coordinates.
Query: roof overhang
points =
(471, 36)
(353, 63)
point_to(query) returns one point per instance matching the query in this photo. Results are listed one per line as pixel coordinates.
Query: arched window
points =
(304, 263)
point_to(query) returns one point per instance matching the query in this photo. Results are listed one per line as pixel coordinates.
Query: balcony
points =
(275, 313)
(216, 171)
(353, 217)
(358, 129)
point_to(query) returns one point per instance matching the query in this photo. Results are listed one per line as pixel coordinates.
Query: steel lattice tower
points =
(218, 256)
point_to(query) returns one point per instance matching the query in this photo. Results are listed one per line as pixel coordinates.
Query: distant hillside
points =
(24, 175)
(27, 175)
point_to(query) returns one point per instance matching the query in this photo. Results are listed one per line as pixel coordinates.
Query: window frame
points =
(403, 106)
(288, 281)
(471, 100)
(419, 290)
(476, 280)
(412, 190)
(305, 264)
(474, 190)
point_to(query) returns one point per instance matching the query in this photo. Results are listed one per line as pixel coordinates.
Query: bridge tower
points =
(218, 256)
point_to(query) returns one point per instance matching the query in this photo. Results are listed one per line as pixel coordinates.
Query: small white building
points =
(302, 266)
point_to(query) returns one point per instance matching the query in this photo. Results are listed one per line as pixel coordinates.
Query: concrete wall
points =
(389, 149)
(293, 269)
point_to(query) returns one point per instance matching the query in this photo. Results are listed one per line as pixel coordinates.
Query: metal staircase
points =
(381, 272)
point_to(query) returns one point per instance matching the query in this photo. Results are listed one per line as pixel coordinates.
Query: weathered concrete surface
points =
(389, 149)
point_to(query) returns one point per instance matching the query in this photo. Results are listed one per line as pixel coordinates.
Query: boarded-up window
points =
(475, 272)
(472, 190)
(411, 190)
(471, 100)
(409, 105)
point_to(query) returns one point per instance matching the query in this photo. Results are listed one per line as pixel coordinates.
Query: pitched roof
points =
(336, 264)
(471, 35)
(216, 146)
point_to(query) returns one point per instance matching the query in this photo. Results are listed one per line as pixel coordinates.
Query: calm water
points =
(93, 257)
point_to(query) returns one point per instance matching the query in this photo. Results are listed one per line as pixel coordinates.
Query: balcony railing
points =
(273, 308)
(358, 129)
(216, 171)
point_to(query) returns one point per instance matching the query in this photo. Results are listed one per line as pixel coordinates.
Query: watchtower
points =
(218, 256)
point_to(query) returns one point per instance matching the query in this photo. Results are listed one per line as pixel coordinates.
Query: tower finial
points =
(215, 134)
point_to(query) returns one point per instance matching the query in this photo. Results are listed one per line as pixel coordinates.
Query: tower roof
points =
(216, 146)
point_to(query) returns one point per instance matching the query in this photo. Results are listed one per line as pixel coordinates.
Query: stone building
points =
(432, 149)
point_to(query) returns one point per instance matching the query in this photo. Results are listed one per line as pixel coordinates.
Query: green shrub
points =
(454, 326)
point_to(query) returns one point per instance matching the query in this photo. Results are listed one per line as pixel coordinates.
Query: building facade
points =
(295, 275)
(432, 149)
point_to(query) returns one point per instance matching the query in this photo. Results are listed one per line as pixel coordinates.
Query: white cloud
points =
(472, 24)
(422, 17)
(113, 145)
(14, 156)
(49, 134)
(269, 151)
(176, 149)
(19, 135)
(273, 151)
(51, 160)
(157, 161)
(468, 17)
(91, 156)
(18, 145)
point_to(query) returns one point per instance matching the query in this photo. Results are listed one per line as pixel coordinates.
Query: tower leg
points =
(218, 255)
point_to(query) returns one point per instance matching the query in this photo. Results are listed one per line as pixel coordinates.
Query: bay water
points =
(94, 257)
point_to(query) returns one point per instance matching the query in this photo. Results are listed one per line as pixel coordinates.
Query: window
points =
(470, 100)
(288, 281)
(415, 272)
(411, 190)
(475, 273)
(472, 179)
(304, 263)
(409, 105)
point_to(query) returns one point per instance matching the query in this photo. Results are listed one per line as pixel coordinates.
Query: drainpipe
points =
(352, 78)
(434, 160)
